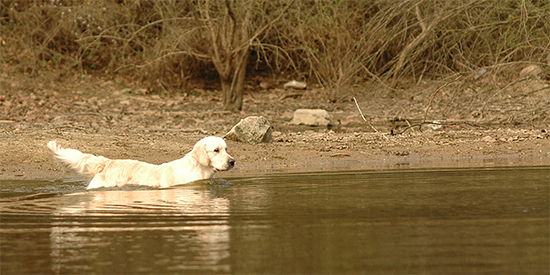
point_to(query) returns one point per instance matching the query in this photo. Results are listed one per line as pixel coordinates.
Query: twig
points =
(419, 18)
(169, 130)
(81, 128)
(293, 95)
(405, 53)
(411, 126)
(247, 43)
(361, 113)
(433, 96)
(380, 81)
(87, 114)
(436, 123)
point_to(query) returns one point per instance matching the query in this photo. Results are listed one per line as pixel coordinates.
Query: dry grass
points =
(333, 43)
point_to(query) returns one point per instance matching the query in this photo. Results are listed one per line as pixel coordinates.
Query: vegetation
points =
(168, 44)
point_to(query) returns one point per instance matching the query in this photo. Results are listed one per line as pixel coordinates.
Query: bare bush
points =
(465, 36)
(181, 35)
(325, 41)
(388, 40)
(335, 43)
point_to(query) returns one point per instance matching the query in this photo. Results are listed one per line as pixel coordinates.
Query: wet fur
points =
(208, 156)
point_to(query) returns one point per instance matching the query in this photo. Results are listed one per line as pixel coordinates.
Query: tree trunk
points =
(230, 43)
(233, 87)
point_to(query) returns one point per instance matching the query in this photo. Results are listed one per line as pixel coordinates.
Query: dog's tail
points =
(84, 164)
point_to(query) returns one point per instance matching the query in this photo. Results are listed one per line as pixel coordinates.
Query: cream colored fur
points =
(208, 156)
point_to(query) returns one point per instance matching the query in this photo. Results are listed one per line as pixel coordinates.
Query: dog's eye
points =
(217, 150)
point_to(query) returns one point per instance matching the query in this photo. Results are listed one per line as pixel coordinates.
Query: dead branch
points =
(420, 20)
(380, 81)
(361, 113)
(419, 125)
(216, 55)
(238, 74)
(233, 21)
(437, 91)
(260, 31)
(410, 47)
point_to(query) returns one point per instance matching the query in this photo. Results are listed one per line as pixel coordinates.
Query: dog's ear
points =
(200, 154)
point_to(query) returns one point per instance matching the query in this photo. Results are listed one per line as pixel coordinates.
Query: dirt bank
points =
(24, 155)
(107, 118)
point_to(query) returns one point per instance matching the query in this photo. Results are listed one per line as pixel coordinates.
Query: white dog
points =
(207, 157)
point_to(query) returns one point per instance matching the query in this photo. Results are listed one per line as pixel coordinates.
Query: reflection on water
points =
(178, 224)
(415, 221)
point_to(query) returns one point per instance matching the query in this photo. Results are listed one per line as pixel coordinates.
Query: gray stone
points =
(533, 71)
(481, 72)
(532, 85)
(312, 117)
(295, 84)
(532, 81)
(107, 83)
(252, 129)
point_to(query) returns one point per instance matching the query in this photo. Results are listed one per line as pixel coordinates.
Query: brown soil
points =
(114, 119)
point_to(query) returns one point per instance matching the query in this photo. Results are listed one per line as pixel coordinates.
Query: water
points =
(407, 221)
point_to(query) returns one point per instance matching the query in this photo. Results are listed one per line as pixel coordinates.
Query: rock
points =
(531, 71)
(266, 85)
(312, 117)
(295, 84)
(252, 129)
(481, 72)
(434, 125)
(108, 83)
(141, 91)
(489, 139)
(126, 90)
(533, 85)
(532, 80)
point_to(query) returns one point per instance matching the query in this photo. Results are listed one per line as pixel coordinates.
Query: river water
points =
(482, 220)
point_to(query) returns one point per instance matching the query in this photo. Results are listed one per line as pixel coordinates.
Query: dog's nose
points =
(231, 162)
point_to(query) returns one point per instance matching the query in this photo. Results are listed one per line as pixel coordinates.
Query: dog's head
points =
(211, 152)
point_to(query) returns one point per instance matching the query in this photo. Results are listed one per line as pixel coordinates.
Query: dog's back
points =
(208, 156)
(84, 164)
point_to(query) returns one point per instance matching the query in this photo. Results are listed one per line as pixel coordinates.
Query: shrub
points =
(334, 43)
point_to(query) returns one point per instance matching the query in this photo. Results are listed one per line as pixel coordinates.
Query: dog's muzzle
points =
(231, 163)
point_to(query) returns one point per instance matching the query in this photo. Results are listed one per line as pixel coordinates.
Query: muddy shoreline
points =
(487, 128)
(25, 156)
